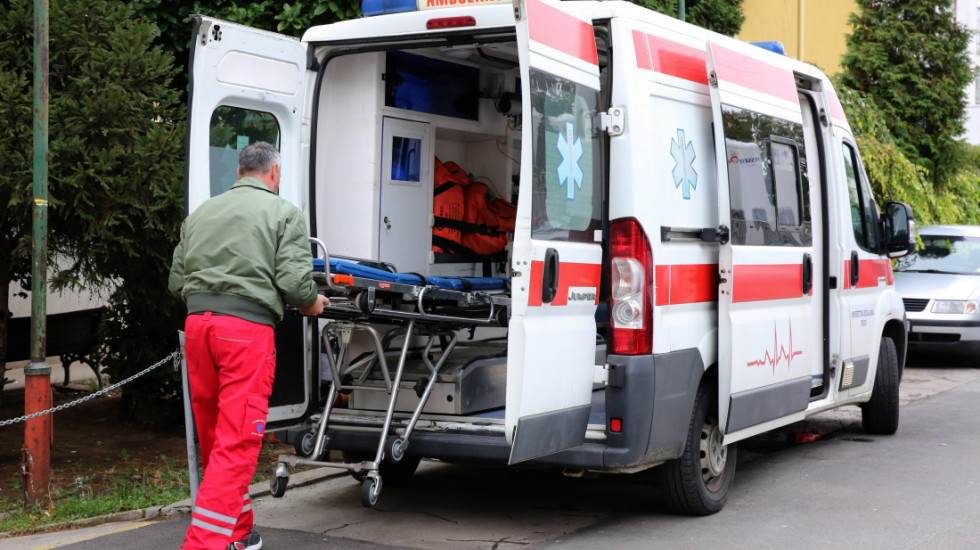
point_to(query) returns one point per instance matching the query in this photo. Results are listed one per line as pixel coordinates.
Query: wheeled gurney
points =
(388, 306)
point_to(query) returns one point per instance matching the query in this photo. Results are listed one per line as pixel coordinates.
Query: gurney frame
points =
(359, 303)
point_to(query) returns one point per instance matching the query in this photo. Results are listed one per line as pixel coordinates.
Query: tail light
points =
(631, 275)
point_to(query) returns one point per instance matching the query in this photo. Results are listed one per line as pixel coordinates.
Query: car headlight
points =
(954, 306)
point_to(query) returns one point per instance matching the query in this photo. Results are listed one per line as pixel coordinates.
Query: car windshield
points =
(944, 254)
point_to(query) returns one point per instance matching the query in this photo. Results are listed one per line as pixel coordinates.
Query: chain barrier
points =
(175, 357)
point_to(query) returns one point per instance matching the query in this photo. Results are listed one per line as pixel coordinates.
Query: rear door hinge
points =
(613, 121)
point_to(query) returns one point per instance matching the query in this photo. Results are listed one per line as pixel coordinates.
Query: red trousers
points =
(231, 363)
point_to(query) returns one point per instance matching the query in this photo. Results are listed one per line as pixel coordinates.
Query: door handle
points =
(855, 269)
(807, 273)
(549, 279)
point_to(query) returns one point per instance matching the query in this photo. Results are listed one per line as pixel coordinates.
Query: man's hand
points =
(317, 307)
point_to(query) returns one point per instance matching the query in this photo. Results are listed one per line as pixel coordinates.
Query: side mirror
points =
(898, 223)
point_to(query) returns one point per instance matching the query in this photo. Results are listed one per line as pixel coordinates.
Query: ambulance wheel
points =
(697, 483)
(370, 490)
(350, 458)
(304, 445)
(277, 485)
(880, 414)
(399, 473)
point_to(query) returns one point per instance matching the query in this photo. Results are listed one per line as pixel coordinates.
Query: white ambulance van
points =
(697, 257)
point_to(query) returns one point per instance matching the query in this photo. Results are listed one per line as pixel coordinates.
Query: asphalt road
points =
(917, 489)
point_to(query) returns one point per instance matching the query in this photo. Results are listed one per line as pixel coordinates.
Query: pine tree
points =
(910, 57)
(115, 173)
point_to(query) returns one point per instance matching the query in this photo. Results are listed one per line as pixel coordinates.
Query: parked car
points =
(940, 285)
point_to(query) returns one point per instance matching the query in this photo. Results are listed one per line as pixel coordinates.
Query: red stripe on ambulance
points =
(561, 31)
(657, 54)
(759, 76)
(686, 284)
(836, 109)
(869, 271)
(753, 283)
(570, 275)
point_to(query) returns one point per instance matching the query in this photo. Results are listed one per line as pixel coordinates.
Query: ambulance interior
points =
(445, 124)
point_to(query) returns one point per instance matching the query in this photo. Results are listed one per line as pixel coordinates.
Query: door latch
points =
(718, 235)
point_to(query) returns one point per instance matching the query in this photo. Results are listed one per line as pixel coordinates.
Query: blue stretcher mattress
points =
(463, 284)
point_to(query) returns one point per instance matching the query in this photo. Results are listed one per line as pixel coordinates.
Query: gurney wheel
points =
(304, 445)
(277, 485)
(370, 490)
(396, 451)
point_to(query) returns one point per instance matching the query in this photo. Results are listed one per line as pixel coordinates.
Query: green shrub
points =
(894, 177)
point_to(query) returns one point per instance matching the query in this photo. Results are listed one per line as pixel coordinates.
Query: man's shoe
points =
(252, 542)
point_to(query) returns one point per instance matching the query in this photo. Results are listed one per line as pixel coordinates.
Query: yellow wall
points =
(824, 28)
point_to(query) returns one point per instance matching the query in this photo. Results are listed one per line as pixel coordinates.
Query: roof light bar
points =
(381, 7)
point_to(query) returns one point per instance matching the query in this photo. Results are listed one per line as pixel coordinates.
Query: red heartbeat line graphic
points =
(780, 352)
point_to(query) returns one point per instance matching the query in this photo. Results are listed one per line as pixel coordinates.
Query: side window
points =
(232, 129)
(862, 207)
(769, 187)
(567, 190)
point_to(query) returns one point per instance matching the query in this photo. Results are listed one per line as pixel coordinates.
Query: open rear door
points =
(556, 261)
(249, 85)
(766, 268)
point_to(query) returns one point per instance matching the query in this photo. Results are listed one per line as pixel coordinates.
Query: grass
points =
(127, 489)
(114, 488)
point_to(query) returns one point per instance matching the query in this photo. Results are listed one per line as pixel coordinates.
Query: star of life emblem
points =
(683, 154)
(569, 171)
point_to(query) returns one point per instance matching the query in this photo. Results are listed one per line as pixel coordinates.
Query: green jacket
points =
(244, 253)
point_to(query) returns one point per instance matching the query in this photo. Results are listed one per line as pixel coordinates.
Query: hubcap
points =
(714, 455)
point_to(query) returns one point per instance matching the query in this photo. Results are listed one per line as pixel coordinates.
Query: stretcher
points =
(392, 309)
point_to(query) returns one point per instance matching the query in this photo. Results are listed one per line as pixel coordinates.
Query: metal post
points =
(681, 9)
(37, 387)
(190, 433)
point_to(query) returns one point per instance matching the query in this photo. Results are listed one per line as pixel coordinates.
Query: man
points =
(241, 256)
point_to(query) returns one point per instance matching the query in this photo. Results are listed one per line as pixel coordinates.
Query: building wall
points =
(824, 25)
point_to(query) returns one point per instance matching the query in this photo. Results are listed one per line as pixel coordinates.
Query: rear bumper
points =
(651, 396)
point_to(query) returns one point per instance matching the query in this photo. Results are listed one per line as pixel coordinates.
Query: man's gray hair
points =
(258, 158)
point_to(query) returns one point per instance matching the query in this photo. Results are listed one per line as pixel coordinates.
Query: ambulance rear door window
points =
(567, 194)
(232, 129)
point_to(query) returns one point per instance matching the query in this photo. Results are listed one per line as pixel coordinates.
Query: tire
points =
(880, 414)
(697, 483)
(356, 457)
(399, 473)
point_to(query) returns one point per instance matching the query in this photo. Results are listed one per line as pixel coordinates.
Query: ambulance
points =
(697, 257)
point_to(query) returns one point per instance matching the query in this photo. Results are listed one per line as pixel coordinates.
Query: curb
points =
(183, 507)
